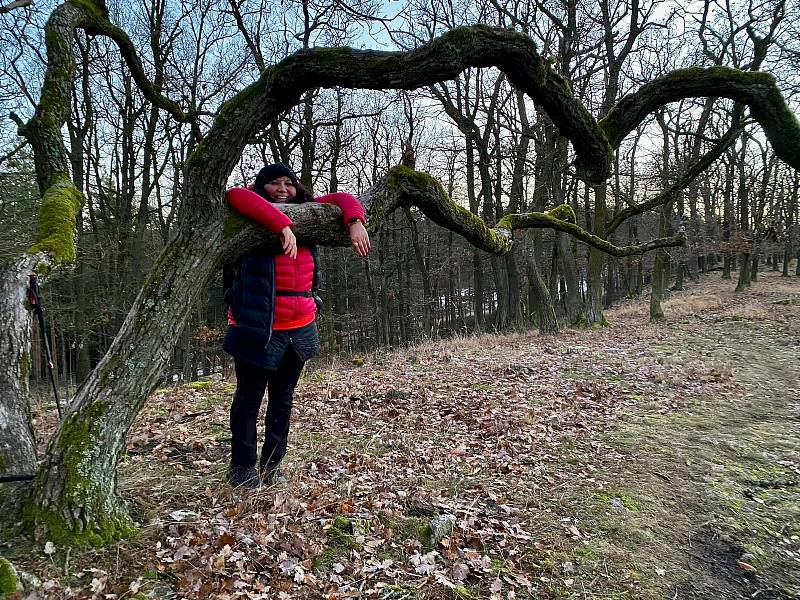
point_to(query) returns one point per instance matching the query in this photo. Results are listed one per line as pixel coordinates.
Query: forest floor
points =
(634, 461)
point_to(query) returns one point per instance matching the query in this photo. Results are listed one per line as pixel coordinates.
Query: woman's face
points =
(280, 189)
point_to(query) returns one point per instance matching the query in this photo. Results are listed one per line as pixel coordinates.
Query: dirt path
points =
(714, 488)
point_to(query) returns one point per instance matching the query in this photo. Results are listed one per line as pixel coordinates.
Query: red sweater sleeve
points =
(349, 205)
(255, 207)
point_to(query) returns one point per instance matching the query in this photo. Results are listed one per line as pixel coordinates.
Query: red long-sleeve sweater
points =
(290, 275)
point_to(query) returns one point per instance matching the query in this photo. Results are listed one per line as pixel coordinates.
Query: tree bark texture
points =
(659, 284)
(73, 496)
(594, 303)
(17, 441)
(542, 301)
(572, 299)
(744, 272)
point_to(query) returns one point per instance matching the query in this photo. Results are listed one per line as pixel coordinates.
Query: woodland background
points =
(488, 144)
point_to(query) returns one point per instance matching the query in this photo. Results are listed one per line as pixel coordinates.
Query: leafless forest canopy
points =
(494, 151)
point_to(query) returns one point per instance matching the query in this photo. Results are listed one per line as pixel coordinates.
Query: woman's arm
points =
(349, 205)
(253, 206)
(354, 220)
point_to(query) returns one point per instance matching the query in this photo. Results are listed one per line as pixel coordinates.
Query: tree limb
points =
(15, 4)
(11, 153)
(282, 85)
(95, 20)
(676, 188)
(404, 187)
(757, 90)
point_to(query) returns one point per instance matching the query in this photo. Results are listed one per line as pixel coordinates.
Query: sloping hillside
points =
(635, 461)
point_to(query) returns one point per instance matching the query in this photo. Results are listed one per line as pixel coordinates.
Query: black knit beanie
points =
(272, 172)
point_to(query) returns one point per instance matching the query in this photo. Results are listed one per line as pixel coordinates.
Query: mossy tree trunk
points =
(727, 263)
(594, 275)
(660, 272)
(547, 170)
(543, 305)
(657, 288)
(797, 264)
(659, 283)
(427, 291)
(791, 227)
(73, 496)
(55, 246)
(568, 264)
(744, 272)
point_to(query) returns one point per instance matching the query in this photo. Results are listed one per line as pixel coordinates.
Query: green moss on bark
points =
(53, 106)
(107, 370)
(784, 137)
(418, 178)
(331, 57)
(603, 322)
(9, 581)
(471, 226)
(25, 366)
(234, 224)
(105, 519)
(563, 212)
(94, 10)
(103, 530)
(60, 206)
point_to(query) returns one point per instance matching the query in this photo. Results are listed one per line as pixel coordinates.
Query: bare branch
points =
(97, 22)
(757, 90)
(11, 153)
(15, 4)
(252, 46)
(682, 183)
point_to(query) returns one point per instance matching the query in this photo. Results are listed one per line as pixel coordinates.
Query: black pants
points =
(251, 382)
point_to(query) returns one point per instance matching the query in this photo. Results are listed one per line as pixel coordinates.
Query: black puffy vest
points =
(251, 299)
(250, 294)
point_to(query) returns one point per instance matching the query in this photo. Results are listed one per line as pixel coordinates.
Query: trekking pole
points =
(36, 302)
(15, 478)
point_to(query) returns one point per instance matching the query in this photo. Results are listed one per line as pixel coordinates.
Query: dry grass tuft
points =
(690, 304)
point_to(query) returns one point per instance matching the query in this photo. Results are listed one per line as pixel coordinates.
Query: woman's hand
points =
(289, 242)
(359, 238)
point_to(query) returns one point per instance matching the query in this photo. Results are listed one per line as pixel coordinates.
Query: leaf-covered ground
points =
(636, 461)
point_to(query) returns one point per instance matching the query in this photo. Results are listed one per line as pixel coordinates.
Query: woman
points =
(271, 319)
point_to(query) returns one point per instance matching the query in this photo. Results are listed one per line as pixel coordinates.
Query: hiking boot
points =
(246, 477)
(272, 476)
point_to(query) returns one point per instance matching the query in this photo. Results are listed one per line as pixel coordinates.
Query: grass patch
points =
(201, 385)
(341, 541)
(408, 528)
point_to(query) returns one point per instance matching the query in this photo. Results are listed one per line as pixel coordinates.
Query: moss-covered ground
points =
(632, 461)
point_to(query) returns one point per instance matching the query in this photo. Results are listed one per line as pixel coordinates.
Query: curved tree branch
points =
(673, 190)
(95, 20)
(281, 86)
(404, 187)
(757, 90)
(11, 153)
